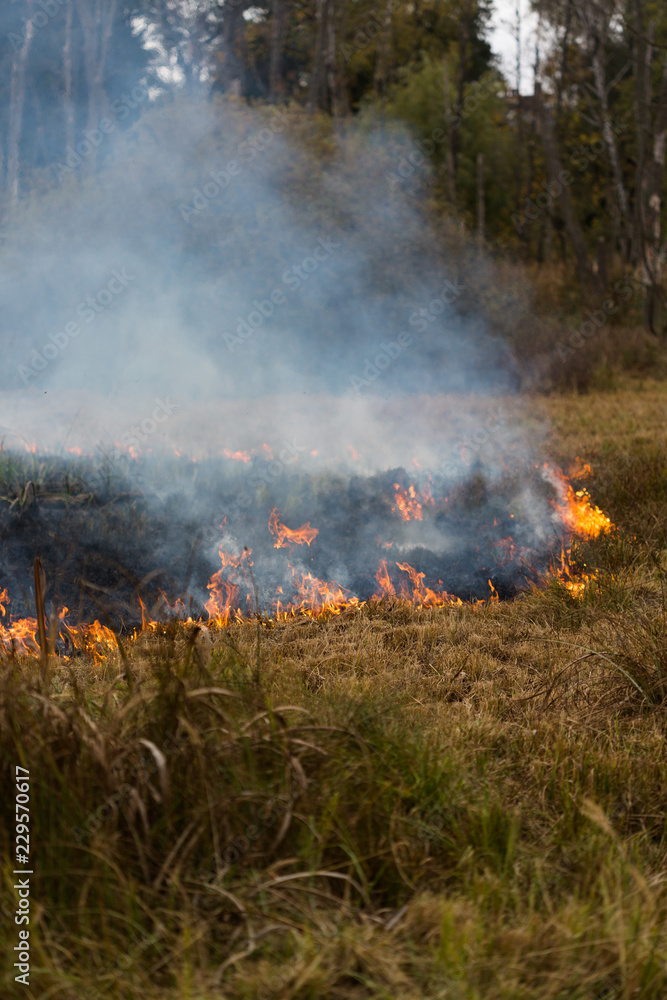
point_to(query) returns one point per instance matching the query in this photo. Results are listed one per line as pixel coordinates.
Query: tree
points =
(16, 105)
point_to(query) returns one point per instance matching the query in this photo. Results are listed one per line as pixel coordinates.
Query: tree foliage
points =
(572, 172)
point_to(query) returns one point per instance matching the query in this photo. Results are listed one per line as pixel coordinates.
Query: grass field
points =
(395, 803)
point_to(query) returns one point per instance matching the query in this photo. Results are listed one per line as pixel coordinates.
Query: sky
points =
(502, 39)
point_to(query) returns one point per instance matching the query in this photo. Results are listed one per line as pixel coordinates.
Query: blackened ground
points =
(113, 532)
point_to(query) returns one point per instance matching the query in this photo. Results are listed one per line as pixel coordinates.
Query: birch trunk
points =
(16, 105)
(555, 171)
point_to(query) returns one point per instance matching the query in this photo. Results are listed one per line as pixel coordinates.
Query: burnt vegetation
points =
(114, 533)
(391, 801)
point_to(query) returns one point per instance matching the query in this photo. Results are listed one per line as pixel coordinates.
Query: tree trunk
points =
(480, 199)
(319, 59)
(97, 18)
(594, 29)
(341, 78)
(642, 58)
(16, 105)
(518, 179)
(325, 90)
(233, 68)
(382, 60)
(331, 67)
(555, 171)
(651, 197)
(67, 73)
(449, 153)
(464, 34)
(276, 86)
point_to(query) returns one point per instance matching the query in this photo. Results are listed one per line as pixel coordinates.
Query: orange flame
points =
(409, 503)
(312, 596)
(96, 639)
(20, 636)
(579, 469)
(387, 588)
(224, 593)
(238, 456)
(575, 509)
(286, 537)
(422, 595)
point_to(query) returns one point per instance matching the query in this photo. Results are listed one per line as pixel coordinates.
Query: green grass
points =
(395, 803)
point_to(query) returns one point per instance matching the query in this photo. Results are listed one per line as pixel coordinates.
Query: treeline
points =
(568, 169)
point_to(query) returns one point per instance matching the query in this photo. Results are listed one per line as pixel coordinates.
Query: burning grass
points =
(489, 533)
(452, 801)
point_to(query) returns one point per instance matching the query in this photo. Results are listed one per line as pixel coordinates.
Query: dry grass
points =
(445, 803)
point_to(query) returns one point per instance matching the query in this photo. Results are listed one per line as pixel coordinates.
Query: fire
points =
(231, 587)
(286, 537)
(420, 594)
(409, 503)
(315, 597)
(575, 509)
(582, 516)
(224, 592)
(579, 470)
(507, 547)
(238, 456)
(21, 635)
(387, 588)
(96, 638)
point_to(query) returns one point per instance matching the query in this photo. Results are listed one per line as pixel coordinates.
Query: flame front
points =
(286, 537)
(231, 587)
(575, 509)
(20, 636)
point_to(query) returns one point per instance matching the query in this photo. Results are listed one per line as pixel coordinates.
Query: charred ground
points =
(112, 532)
